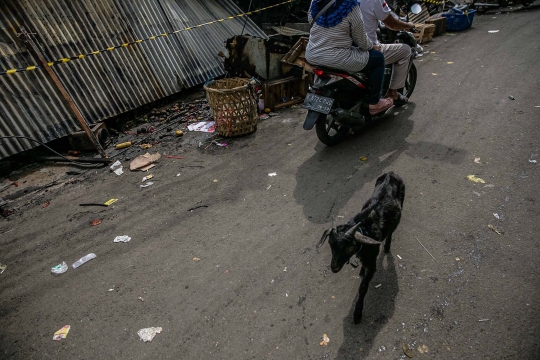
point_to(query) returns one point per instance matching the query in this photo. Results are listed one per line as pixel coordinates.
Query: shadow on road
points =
(327, 180)
(379, 306)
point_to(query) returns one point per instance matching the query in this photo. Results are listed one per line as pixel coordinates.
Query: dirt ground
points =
(239, 276)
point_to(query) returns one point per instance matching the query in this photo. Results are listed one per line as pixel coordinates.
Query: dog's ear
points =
(323, 239)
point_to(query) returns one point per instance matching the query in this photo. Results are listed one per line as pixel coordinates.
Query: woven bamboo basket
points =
(233, 106)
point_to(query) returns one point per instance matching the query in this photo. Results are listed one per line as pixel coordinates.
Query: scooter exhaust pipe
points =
(348, 117)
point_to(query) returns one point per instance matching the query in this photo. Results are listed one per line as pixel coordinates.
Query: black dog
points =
(364, 234)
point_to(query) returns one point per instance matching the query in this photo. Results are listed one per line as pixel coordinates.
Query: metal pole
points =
(64, 93)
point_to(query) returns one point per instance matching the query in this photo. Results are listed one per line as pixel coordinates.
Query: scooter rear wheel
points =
(328, 132)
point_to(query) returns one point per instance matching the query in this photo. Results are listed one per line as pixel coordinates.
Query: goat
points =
(364, 233)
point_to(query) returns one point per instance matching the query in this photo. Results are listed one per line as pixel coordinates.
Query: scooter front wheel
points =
(410, 83)
(328, 131)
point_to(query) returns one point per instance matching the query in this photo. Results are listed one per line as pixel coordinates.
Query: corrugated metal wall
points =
(112, 83)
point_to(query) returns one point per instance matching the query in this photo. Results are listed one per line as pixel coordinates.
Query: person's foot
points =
(382, 105)
(398, 98)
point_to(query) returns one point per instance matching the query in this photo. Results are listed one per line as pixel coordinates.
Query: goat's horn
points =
(351, 231)
(365, 240)
(323, 239)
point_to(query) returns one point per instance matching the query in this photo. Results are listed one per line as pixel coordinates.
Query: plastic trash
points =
(123, 145)
(423, 349)
(62, 333)
(147, 184)
(110, 202)
(497, 231)
(475, 179)
(203, 126)
(407, 350)
(459, 9)
(122, 238)
(84, 259)
(60, 268)
(148, 334)
(325, 340)
(117, 168)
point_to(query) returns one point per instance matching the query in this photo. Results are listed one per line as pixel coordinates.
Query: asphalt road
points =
(260, 289)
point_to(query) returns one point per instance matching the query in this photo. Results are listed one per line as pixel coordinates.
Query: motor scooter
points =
(338, 101)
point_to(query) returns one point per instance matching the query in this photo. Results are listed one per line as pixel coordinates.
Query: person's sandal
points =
(382, 105)
(401, 100)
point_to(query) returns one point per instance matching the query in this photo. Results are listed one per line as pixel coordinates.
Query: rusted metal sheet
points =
(29, 106)
(111, 83)
(82, 122)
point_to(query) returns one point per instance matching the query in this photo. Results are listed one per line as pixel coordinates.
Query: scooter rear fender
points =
(311, 119)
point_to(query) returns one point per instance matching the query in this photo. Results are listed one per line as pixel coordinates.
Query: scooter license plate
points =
(318, 103)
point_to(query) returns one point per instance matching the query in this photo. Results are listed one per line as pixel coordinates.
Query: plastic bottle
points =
(82, 260)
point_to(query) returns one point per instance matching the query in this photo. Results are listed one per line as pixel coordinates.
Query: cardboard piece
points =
(143, 161)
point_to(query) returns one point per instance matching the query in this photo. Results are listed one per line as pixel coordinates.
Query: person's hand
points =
(377, 47)
(411, 25)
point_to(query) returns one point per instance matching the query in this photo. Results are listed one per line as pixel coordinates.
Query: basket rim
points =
(224, 91)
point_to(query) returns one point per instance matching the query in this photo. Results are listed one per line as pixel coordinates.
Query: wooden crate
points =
(294, 63)
(281, 93)
(296, 57)
(440, 25)
(425, 34)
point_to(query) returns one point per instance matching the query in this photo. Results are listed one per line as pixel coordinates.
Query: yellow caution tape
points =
(97, 52)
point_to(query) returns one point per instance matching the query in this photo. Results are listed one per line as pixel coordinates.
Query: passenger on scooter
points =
(331, 44)
(397, 54)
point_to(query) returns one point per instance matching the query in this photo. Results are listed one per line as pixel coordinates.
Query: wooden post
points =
(64, 93)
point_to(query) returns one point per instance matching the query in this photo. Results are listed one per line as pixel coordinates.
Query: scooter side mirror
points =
(416, 9)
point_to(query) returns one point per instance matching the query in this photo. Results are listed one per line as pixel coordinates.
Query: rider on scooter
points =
(397, 54)
(331, 44)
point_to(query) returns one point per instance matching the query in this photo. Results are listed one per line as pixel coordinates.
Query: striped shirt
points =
(333, 47)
